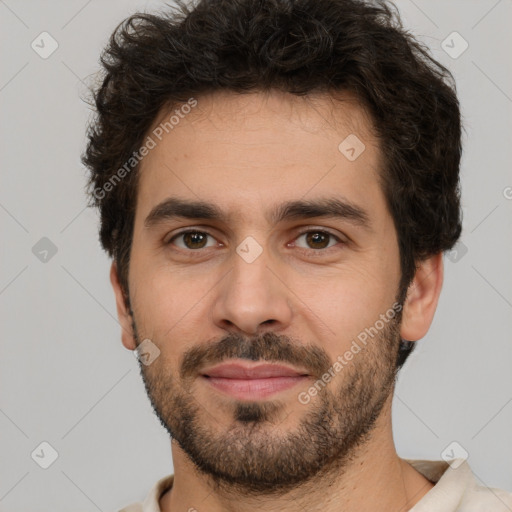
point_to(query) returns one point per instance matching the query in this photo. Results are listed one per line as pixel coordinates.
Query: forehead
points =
(316, 112)
(239, 149)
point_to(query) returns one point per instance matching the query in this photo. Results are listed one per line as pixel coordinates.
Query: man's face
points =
(245, 288)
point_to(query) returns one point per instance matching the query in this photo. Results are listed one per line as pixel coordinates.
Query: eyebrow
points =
(336, 208)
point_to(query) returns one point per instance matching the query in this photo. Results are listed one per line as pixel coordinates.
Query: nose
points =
(252, 297)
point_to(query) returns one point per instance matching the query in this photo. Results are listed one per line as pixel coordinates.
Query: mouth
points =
(252, 382)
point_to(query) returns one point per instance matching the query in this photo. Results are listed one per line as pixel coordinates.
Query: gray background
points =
(66, 379)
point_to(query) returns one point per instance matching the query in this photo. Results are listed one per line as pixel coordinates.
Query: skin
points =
(248, 153)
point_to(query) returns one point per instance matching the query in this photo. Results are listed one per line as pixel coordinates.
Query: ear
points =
(123, 313)
(422, 296)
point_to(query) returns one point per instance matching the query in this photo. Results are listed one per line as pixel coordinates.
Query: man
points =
(277, 182)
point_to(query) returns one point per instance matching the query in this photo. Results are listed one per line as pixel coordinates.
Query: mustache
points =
(268, 347)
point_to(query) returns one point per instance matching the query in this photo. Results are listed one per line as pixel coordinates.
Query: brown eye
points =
(317, 240)
(191, 239)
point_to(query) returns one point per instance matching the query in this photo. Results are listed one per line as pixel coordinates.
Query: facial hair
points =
(251, 454)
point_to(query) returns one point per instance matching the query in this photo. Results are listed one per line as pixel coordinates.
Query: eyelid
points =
(319, 252)
(320, 229)
(190, 230)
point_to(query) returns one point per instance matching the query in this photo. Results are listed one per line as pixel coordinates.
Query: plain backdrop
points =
(65, 378)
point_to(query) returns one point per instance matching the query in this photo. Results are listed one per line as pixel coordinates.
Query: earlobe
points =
(422, 297)
(123, 313)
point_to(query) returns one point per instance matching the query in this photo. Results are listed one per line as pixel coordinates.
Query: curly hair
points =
(299, 47)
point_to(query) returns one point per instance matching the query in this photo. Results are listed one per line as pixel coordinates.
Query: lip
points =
(247, 372)
(252, 382)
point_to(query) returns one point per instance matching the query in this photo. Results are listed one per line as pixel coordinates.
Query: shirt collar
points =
(451, 482)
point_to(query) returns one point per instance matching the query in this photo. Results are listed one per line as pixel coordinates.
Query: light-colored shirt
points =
(455, 490)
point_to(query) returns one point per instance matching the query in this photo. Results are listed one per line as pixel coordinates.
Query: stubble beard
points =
(252, 455)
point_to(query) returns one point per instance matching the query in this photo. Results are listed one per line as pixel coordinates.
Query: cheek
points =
(171, 305)
(155, 292)
(340, 305)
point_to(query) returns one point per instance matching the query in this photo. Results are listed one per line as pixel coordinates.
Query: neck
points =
(376, 479)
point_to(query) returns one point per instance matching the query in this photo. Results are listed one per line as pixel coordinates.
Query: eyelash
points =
(316, 252)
